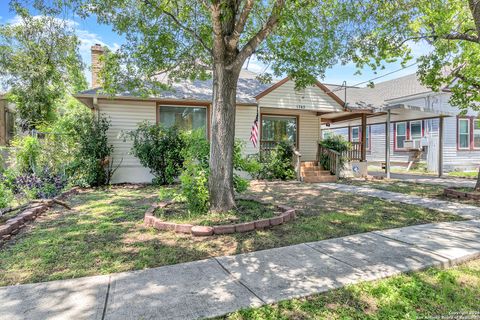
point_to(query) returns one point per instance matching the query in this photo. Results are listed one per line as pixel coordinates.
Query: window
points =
(367, 138)
(464, 133)
(185, 118)
(327, 134)
(400, 134)
(355, 134)
(476, 133)
(416, 130)
(279, 128)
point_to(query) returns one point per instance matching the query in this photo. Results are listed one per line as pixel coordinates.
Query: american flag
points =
(254, 133)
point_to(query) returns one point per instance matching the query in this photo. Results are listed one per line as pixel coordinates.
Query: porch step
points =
(308, 164)
(320, 179)
(316, 173)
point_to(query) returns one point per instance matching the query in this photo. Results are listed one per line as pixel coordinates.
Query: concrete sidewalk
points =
(464, 210)
(217, 286)
(444, 181)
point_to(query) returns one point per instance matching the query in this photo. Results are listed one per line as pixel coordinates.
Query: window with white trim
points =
(400, 134)
(416, 130)
(476, 133)
(464, 133)
(355, 134)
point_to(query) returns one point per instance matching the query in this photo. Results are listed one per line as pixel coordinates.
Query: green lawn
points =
(104, 232)
(461, 174)
(431, 294)
(412, 188)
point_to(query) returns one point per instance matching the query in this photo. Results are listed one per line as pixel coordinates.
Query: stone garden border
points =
(13, 225)
(455, 193)
(287, 214)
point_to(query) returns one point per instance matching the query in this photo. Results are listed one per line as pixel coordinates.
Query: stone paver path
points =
(464, 210)
(217, 286)
(445, 181)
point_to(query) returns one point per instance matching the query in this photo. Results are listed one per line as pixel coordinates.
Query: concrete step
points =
(320, 179)
(313, 168)
(316, 173)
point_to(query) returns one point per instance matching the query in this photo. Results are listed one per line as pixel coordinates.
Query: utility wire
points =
(376, 78)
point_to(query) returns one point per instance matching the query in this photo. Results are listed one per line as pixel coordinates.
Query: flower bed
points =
(286, 214)
(460, 193)
(13, 225)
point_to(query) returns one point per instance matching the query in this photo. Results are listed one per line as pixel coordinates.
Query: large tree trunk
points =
(222, 138)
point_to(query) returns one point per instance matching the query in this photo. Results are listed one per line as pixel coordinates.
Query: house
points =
(284, 113)
(7, 120)
(423, 126)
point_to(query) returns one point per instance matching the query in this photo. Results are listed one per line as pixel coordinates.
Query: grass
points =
(247, 210)
(462, 174)
(432, 294)
(104, 232)
(412, 188)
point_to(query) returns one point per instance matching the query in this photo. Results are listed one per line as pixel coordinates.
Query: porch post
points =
(364, 137)
(387, 145)
(440, 146)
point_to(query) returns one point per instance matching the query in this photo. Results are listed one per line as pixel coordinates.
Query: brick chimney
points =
(97, 52)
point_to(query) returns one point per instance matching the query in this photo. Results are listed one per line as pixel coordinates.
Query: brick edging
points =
(287, 214)
(455, 193)
(13, 225)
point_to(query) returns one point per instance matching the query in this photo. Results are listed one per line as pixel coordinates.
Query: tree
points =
(452, 29)
(203, 38)
(39, 64)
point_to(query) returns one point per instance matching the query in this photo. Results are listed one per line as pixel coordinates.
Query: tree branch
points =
(240, 25)
(262, 34)
(181, 26)
(475, 9)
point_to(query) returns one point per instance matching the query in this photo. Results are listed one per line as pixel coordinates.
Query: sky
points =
(90, 32)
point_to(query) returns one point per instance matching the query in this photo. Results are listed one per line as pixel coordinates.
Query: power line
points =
(376, 78)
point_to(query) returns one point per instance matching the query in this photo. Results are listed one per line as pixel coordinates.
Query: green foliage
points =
(159, 149)
(277, 164)
(337, 143)
(26, 151)
(93, 165)
(194, 177)
(6, 195)
(40, 64)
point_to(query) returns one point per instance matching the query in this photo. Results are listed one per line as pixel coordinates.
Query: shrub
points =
(26, 153)
(337, 143)
(39, 185)
(93, 165)
(159, 149)
(6, 196)
(278, 163)
(194, 177)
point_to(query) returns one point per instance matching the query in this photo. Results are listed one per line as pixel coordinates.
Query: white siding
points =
(285, 97)
(244, 117)
(125, 116)
(309, 133)
(453, 158)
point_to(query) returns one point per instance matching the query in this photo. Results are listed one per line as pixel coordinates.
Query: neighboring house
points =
(7, 121)
(416, 114)
(284, 113)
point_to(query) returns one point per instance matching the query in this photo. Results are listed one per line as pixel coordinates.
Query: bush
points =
(93, 165)
(26, 152)
(39, 185)
(278, 163)
(194, 177)
(6, 196)
(159, 149)
(337, 143)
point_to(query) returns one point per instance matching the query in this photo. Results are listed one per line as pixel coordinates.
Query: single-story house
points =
(423, 125)
(7, 121)
(284, 113)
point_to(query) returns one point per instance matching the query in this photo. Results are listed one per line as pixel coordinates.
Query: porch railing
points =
(355, 153)
(329, 159)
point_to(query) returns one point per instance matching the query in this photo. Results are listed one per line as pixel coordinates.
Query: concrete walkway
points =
(464, 210)
(217, 286)
(444, 181)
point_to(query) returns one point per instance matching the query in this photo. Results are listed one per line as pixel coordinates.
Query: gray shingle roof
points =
(378, 96)
(201, 90)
